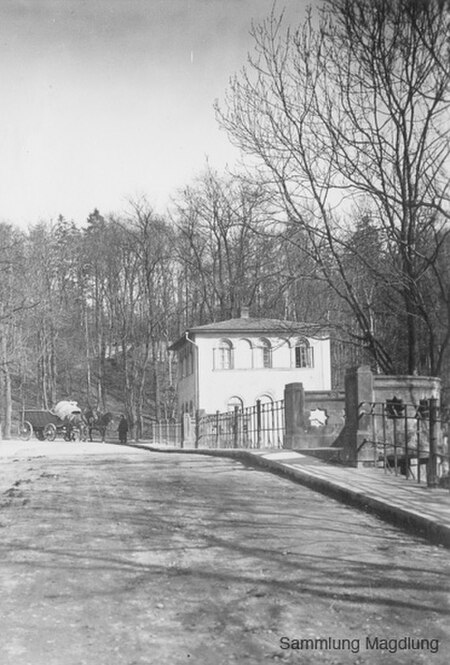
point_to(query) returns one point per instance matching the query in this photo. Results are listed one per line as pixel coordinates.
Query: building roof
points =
(252, 325)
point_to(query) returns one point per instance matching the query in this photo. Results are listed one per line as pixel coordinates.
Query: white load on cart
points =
(67, 410)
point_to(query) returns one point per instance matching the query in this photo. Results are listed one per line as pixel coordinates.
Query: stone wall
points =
(344, 421)
(313, 419)
(410, 389)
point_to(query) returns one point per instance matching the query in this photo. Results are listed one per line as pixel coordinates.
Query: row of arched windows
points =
(247, 355)
(244, 354)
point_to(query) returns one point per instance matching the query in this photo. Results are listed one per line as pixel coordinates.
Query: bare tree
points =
(224, 261)
(151, 242)
(349, 112)
(99, 251)
(14, 304)
(137, 302)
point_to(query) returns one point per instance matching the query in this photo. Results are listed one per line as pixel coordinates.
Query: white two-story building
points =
(239, 361)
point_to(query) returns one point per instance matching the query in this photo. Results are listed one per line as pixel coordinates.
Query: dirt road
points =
(133, 558)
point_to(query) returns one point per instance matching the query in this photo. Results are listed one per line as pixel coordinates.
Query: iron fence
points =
(258, 426)
(166, 433)
(408, 439)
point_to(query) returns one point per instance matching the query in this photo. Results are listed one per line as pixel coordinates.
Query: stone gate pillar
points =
(294, 415)
(358, 394)
(188, 431)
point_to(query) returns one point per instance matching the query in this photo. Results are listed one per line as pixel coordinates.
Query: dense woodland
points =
(341, 220)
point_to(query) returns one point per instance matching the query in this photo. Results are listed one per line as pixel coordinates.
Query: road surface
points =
(118, 556)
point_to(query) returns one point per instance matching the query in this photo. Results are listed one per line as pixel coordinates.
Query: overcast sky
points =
(106, 100)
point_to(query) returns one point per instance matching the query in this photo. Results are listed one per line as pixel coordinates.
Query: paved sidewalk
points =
(405, 503)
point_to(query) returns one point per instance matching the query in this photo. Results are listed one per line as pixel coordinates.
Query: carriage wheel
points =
(25, 431)
(50, 432)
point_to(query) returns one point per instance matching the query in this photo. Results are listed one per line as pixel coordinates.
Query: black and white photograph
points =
(224, 332)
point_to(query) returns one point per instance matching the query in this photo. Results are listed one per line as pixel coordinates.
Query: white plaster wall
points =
(217, 386)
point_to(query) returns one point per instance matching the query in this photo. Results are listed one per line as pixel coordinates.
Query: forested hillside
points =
(88, 312)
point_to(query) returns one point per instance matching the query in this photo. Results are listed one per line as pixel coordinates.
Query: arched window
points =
(264, 353)
(304, 356)
(234, 402)
(224, 359)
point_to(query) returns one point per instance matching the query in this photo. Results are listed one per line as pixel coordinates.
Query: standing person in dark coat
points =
(123, 429)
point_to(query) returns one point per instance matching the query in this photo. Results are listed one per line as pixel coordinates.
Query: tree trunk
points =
(6, 392)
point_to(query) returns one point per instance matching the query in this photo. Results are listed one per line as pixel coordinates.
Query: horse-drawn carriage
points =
(65, 420)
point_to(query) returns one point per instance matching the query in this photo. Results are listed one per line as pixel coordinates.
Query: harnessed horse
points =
(98, 422)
